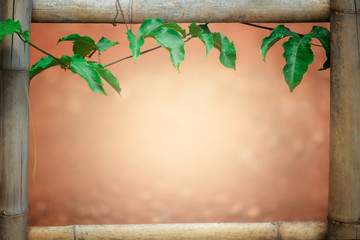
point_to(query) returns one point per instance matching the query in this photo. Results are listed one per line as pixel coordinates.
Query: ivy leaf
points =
(227, 50)
(176, 27)
(173, 42)
(106, 75)
(323, 35)
(81, 45)
(85, 70)
(298, 56)
(135, 44)
(47, 62)
(278, 33)
(105, 43)
(148, 26)
(9, 27)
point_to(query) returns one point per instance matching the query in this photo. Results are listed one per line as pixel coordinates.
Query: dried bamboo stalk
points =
(204, 231)
(136, 11)
(14, 124)
(344, 185)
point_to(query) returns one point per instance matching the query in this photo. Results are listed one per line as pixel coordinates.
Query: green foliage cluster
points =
(9, 27)
(298, 53)
(169, 35)
(172, 37)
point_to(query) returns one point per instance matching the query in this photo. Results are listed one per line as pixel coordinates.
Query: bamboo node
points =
(348, 11)
(345, 224)
(4, 214)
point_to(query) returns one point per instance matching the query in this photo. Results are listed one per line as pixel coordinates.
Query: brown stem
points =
(118, 6)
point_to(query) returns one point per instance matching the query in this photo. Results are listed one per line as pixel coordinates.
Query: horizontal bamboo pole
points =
(204, 231)
(136, 11)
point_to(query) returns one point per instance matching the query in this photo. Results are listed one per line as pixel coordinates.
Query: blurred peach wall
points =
(207, 145)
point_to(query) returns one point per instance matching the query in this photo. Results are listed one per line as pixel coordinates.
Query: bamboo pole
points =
(14, 124)
(344, 185)
(136, 11)
(204, 231)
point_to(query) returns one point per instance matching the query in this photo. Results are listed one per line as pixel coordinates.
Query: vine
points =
(169, 35)
(297, 50)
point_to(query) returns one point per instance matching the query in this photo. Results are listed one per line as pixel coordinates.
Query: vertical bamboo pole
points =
(14, 124)
(344, 185)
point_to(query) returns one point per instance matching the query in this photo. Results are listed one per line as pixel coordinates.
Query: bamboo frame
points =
(136, 11)
(206, 231)
(344, 185)
(14, 127)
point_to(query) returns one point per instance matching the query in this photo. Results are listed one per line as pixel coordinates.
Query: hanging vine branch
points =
(169, 35)
(298, 53)
(172, 37)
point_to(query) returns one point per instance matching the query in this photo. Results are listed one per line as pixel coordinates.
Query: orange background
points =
(207, 145)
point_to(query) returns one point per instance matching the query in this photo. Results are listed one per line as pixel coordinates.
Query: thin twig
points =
(92, 53)
(257, 26)
(117, 12)
(118, 6)
(130, 56)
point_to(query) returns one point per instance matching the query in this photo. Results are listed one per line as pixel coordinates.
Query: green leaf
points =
(208, 40)
(9, 27)
(195, 30)
(85, 70)
(135, 44)
(205, 28)
(47, 62)
(278, 33)
(299, 56)
(81, 45)
(106, 75)
(323, 35)
(227, 50)
(148, 26)
(25, 35)
(173, 42)
(176, 27)
(105, 43)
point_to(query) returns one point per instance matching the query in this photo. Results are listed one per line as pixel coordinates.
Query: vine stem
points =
(258, 26)
(26, 86)
(39, 49)
(131, 56)
(50, 55)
